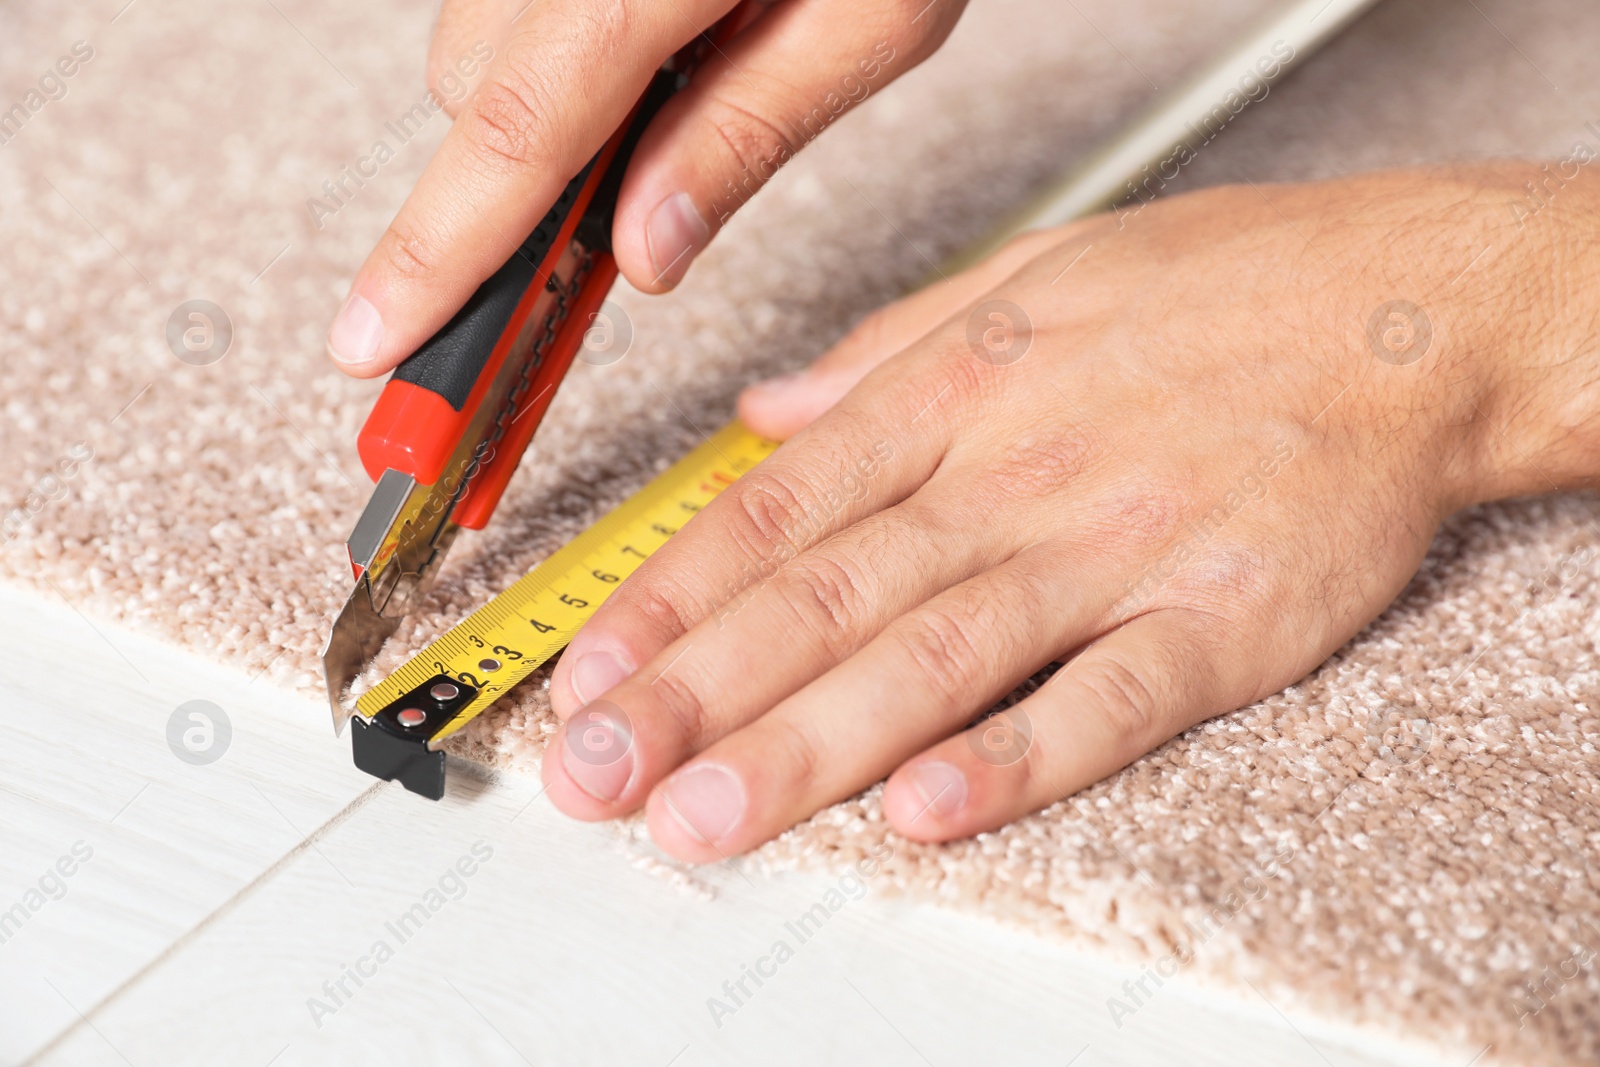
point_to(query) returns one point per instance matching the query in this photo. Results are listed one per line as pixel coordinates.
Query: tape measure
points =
(453, 679)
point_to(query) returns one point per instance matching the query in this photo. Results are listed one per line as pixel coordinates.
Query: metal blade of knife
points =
(431, 441)
(400, 541)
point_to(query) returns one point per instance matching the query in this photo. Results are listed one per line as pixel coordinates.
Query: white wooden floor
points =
(216, 901)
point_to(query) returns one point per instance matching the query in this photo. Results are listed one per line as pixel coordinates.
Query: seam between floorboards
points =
(210, 919)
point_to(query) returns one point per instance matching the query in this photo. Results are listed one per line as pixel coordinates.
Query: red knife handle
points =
(433, 398)
(430, 402)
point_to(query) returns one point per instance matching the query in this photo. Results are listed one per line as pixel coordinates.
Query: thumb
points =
(780, 407)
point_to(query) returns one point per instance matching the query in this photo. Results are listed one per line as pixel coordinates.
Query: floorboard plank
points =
(86, 764)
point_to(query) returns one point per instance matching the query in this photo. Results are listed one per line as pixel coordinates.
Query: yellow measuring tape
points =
(508, 638)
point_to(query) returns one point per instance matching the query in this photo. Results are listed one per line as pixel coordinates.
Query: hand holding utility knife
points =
(452, 423)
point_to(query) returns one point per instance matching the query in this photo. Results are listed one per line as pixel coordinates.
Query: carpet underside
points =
(1402, 840)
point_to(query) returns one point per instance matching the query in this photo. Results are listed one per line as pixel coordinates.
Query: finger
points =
(772, 90)
(869, 452)
(779, 407)
(817, 610)
(923, 677)
(1121, 697)
(568, 75)
(468, 35)
(856, 462)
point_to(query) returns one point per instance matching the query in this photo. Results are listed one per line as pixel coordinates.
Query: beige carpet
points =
(1402, 840)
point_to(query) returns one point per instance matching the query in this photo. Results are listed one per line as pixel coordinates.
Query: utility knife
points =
(452, 423)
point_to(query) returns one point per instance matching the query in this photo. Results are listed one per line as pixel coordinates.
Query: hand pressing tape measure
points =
(402, 720)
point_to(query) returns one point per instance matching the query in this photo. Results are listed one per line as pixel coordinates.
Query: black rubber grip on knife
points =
(450, 362)
(594, 229)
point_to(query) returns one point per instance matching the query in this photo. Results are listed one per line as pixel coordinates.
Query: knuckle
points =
(944, 646)
(506, 126)
(407, 254)
(943, 385)
(1232, 578)
(768, 513)
(1124, 697)
(674, 694)
(757, 144)
(829, 597)
(1021, 601)
(664, 609)
(1153, 514)
(1041, 464)
(970, 381)
(911, 528)
(800, 749)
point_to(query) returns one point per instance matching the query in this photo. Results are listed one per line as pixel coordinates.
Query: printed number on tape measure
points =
(510, 637)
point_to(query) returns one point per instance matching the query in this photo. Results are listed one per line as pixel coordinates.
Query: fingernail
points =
(597, 749)
(595, 673)
(357, 331)
(707, 800)
(674, 235)
(942, 787)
